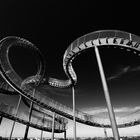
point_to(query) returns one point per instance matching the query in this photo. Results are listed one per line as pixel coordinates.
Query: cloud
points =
(122, 114)
(123, 71)
(119, 73)
(124, 110)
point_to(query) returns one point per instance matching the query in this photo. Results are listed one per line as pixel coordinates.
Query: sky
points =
(52, 26)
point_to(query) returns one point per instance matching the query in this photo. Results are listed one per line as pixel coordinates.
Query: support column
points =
(41, 134)
(30, 115)
(53, 123)
(74, 121)
(17, 109)
(105, 132)
(43, 126)
(107, 96)
(65, 136)
(1, 117)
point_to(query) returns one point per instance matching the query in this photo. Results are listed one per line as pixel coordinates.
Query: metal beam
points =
(17, 109)
(43, 126)
(65, 136)
(107, 96)
(30, 115)
(53, 124)
(1, 118)
(74, 121)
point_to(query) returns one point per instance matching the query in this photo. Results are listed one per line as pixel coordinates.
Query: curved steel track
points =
(107, 38)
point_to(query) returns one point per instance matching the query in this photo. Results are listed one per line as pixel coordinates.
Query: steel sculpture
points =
(104, 38)
(9, 90)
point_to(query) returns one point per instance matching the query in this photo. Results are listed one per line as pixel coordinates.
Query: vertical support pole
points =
(1, 117)
(41, 134)
(65, 136)
(105, 132)
(74, 121)
(53, 123)
(43, 126)
(107, 96)
(17, 109)
(30, 115)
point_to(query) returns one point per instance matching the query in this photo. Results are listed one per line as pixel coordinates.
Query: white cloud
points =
(122, 114)
(98, 110)
(122, 71)
(119, 73)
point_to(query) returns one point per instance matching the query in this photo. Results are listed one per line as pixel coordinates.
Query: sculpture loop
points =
(105, 38)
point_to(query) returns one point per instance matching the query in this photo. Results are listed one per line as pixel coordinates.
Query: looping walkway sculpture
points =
(60, 124)
(106, 38)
